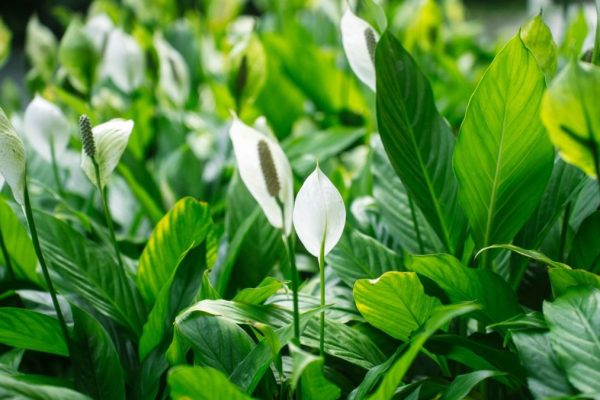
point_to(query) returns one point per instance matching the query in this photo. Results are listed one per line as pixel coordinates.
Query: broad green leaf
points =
(202, 383)
(268, 287)
(533, 254)
(184, 227)
(396, 303)
(562, 279)
(89, 270)
(545, 376)
(358, 256)
(461, 283)
(574, 322)
(18, 244)
(307, 370)
(22, 386)
(418, 141)
(462, 385)
(217, 342)
(585, 252)
(96, 362)
(77, 55)
(12, 358)
(569, 113)
(503, 136)
(440, 317)
(538, 38)
(5, 41)
(375, 374)
(31, 330)
(575, 34)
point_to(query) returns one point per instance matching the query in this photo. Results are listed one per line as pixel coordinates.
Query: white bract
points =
(174, 79)
(97, 29)
(359, 40)
(266, 172)
(319, 214)
(123, 61)
(46, 127)
(111, 140)
(13, 163)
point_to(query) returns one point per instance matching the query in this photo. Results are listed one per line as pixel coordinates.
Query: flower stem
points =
(322, 276)
(45, 272)
(289, 245)
(7, 262)
(107, 216)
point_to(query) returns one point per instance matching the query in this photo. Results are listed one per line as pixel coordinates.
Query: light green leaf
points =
(503, 136)
(184, 227)
(585, 252)
(202, 383)
(575, 34)
(562, 279)
(268, 287)
(574, 322)
(418, 141)
(569, 113)
(462, 385)
(396, 303)
(533, 254)
(461, 283)
(5, 41)
(31, 330)
(78, 56)
(18, 243)
(545, 376)
(439, 318)
(22, 386)
(97, 367)
(308, 370)
(538, 38)
(358, 256)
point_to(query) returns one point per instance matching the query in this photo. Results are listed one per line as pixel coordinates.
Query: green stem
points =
(289, 245)
(55, 171)
(322, 275)
(8, 262)
(107, 216)
(45, 272)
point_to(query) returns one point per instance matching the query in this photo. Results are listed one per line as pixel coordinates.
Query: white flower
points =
(13, 164)
(110, 141)
(46, 126)
(174, 79)
(123, 61)
(97, 29)
(266, 172)
(319, 214)
(359, 40)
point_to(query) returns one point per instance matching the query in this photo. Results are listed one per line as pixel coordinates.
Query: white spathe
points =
(45, 126)
(13, 163)
(354, 40)
(174, 79)
(319, 214)
(111, 140)
(97, 28)
(123, 61)
(245, 146)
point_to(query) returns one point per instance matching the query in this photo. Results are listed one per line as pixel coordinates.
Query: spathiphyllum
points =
(360, 39)
(266, 172)
(13, 164)
(46, 128)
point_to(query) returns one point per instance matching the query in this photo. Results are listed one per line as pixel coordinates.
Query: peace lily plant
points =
(359, 40)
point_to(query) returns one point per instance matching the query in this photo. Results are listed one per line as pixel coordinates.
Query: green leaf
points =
(18, 244)
(41, 48)
(418, 141)
(268, 287)
(308, 370)
(585, 252)
(533, 254)
(574, 322)
(358, 256)
(396, 303)
(183, 228)
(545, 376)
(562, 279)
(498, 300)
(21, 387)
(84, 268)
(569, 113)
(202, 383)
(538, 38)
(575, 34)
(5, 40)
(439, 318)
(32, 331)
(503, 136)
(96, 362)
(77, 55)
(462, 385)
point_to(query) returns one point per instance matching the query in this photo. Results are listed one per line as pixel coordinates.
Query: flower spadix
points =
(13, 164)
(319, 214)
(266, 172)
(46, 128)
(360, 40)
(103, 144)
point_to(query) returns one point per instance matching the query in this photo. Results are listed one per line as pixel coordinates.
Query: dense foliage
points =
(234, 199)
